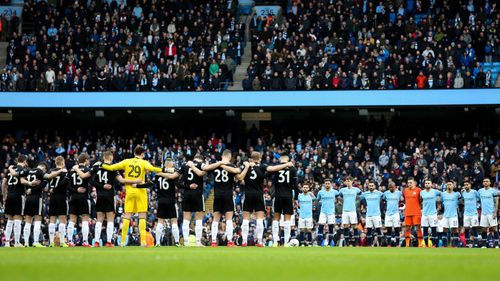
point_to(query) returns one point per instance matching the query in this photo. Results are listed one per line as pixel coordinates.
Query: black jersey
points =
(33, 175)
(285, 183)
(223, 181)
(101, 177)
(59, 184)
(14, 186)
(254, 179)
(165, 188)
(190, 177)
(75, 181)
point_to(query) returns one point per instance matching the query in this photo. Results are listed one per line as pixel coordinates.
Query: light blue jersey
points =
(470, 202)
(327, 200)
(450, 203)
(487, 197)
(350, 195)
(392, 199)
(372, 202)
(305, 206)
(429, 199)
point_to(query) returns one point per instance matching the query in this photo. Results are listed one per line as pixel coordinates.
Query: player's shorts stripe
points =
(40, 205)
(23, 204)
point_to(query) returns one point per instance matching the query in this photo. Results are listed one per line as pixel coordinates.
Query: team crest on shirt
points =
(414, 193)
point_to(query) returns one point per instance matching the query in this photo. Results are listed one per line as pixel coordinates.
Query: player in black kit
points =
(286, 191)
(58, 202)
(104, 181)
(193, 201)
(165, 184)
(79, 203)
(252, 177)
(224, 173)
(35, 182)
(13, 198)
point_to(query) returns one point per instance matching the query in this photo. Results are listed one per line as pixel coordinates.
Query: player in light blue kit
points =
(350, 196)
(305, 211)
(392, 219)
(471, 221)
(373, 214)
(326, 197)
(450, 200)
(489, 208)
(429, 197)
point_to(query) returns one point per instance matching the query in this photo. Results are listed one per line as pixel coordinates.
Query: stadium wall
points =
(243, 99)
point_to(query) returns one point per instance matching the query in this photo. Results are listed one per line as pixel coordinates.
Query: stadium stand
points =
(466, 150)
(186, 46)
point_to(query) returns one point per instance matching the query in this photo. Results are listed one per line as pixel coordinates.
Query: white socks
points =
(287, 229)
(229, 230)
(185, 231)
(17, 232)
(245, 228)
(98, 230)
(8, 230)
(215, 230)
(27, 233)
(276, 231)
(36, 232)
(110, 227)
(71, 229)
(62, 232)
(175, 232)
(85, 231)
(52, 233)
(259, 229)
(159, 232)
(198, 230)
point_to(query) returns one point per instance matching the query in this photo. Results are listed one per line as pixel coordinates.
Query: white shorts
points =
(326, 219)
(488, 221)
(392, 220)
(450, 222)
(471, 221)
(429, 221)
(374, 222)
(306, 223)
(282, 220)
(349, 218)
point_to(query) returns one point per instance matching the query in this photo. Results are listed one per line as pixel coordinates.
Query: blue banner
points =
(381, 98)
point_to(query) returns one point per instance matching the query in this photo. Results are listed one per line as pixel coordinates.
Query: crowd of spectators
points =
(382, 158)
(167, 45)
(118, 45)
(365, 44)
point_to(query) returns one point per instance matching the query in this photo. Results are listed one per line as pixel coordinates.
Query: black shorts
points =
(33, 206)
(253, 202)
(14, 205)
(79, 206)
(105, 203)
(166, 209)
(283, 205)
(224, 203)
(193, 202)
(58, 205)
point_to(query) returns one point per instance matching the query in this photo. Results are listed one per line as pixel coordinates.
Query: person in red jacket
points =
(421, 80)
(170, 50)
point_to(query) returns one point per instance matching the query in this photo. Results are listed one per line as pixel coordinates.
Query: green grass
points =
(254, 264)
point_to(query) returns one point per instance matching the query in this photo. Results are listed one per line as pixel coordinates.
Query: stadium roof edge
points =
(236, 99)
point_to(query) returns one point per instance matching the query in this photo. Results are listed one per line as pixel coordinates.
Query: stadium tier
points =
(179, 45)
(354, 123)
(226, 181)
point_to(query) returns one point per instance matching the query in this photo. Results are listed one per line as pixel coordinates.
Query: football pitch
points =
(249, 264)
